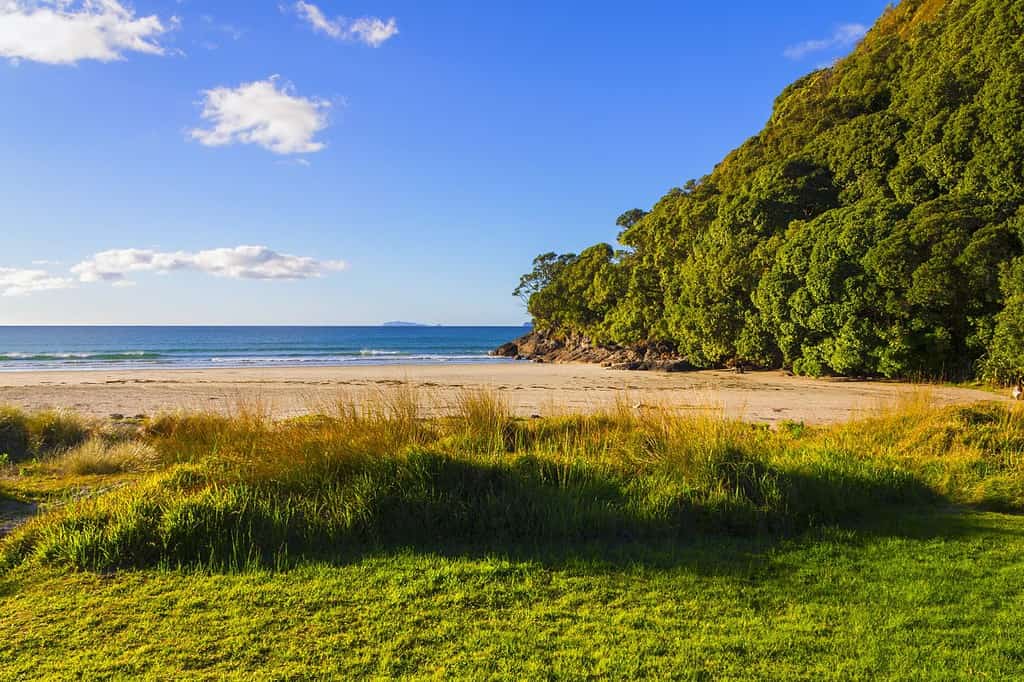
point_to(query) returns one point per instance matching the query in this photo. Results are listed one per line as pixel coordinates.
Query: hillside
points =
(873, 227)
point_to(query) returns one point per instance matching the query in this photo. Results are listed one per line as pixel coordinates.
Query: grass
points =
(371, 541)
(231, 492)
(929, 597)
(99, 457)
(27, 436)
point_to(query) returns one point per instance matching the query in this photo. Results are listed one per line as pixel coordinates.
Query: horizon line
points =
(257, 324)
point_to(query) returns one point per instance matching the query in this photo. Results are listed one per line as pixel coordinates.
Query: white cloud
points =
(17, 282)
(240, 262)
(845, 35)
(69, 31)
(262, 113)
(371, 31)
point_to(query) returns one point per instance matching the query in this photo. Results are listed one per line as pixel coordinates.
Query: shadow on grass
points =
(712, 555)
(529, 510)
(742, 558)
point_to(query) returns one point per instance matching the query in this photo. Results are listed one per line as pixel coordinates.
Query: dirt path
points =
(13, 514)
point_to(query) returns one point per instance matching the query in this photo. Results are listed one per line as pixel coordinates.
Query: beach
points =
(530, 389)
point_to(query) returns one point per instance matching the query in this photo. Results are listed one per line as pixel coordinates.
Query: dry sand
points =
(530, 388)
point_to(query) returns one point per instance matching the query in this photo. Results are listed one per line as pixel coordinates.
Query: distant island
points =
(399, 323)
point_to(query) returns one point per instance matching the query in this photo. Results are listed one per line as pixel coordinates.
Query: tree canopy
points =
(873, 227)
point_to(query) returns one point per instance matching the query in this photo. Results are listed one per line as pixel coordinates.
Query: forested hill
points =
(874, 227)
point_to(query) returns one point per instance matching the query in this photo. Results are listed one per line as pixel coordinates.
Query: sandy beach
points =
(767, 397)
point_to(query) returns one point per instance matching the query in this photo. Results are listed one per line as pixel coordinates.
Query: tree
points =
(630, 218)
(545, 269)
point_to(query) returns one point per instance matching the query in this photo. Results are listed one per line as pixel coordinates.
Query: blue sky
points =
(405, 170)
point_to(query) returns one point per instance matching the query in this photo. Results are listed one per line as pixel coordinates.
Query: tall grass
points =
(234, 491)
(98, 457)
(26, 436)
(14, 434)
(970, 455)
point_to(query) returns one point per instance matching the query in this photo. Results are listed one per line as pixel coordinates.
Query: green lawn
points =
(935, 595)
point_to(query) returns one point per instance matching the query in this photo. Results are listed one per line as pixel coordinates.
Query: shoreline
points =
(530, 388)
(257, 365)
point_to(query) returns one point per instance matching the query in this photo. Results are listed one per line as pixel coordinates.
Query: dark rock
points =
(629, 366)
(677, 366)
(542, 347)
(506, 350)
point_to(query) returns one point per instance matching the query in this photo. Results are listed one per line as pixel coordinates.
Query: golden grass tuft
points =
(97, 457)
(482, 410)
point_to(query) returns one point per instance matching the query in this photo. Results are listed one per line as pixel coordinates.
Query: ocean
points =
(92, 348)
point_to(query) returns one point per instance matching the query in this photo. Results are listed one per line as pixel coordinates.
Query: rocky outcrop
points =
(541, 347)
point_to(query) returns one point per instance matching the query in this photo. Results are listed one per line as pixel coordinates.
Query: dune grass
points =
(99, 457)
(243, 491)
(25, 436)
(370, 540)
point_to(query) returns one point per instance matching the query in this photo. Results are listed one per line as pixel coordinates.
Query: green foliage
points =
(546, 268)
(581, 294)
(869, 229)
(630, 218)
(1005, 360)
